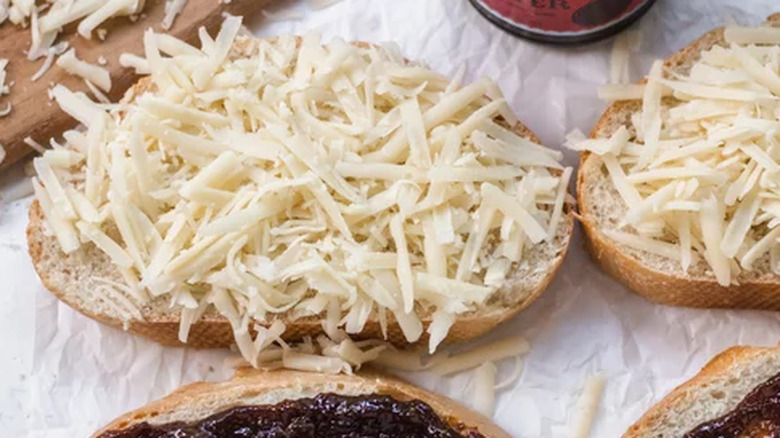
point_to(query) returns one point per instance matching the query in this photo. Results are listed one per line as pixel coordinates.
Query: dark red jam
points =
(562, 21)
(326, 416)
(756, 416)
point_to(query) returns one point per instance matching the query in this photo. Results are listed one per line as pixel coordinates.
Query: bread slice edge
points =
(251, 387)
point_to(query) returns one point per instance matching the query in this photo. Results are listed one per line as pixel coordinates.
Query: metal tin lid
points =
(562, 21)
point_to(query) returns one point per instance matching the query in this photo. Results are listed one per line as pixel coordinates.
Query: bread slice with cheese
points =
(714, 392)
(703, 242)
(283, 248)
(195, 402)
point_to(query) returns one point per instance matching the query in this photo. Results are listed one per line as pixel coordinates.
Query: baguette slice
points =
(250, 387)
(715, 391)
(70, 278)
(656, 278)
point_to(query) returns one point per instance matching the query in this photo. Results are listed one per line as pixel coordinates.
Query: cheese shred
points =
(587, 406)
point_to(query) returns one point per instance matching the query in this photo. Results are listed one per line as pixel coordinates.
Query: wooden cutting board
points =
(39, 118)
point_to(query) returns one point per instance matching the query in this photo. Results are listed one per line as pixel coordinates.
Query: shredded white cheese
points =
(750, 35)
(47, 18)
(587, 406)
(700, 175)
(4, 88)
(107, 10)
(172, 9)
(18, 191)
(283, 15)
(322, 4)
(140, 65)
(491, 352)
(37, 147)
(89, 72)
(624, 44)
(336, 353)
(485, 389)
(245, 183)
(51, 53)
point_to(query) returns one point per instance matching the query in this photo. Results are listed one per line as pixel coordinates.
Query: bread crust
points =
(722, 365)
(248, 382)
(214, 331)
(656, 285)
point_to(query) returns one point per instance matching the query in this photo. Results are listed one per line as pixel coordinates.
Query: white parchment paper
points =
(63, 375)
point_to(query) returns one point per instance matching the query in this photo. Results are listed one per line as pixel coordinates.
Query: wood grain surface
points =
(36, 116)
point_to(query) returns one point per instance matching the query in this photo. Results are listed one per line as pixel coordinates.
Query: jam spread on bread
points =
(756, 416)
(326, 415)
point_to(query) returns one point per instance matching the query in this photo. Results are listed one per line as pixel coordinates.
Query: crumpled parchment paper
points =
(63, 375)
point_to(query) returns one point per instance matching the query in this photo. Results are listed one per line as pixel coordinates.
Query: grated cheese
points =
(107, 10)
(172, 9)
(90, 72)
(492, 352)
(699, 173)
(513, 378)
(284, 180)
(18, 191)
(47, 19)
(4, 88)
(283, 15)
(37, 147)
(140, 65)
(77, 105)
(621, 91)
(332, 353)
(51, 53)
(485, 389)
(625, 43)
(750, 35)
(587, 406)
(322, 4)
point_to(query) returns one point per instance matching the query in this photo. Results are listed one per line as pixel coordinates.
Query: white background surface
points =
(63, 375)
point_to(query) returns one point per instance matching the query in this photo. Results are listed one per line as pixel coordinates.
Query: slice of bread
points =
(249, 387)
(71, 277)
(715, 391)
(654, 277)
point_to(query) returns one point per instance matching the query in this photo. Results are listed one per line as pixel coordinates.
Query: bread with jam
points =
(292, 403)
